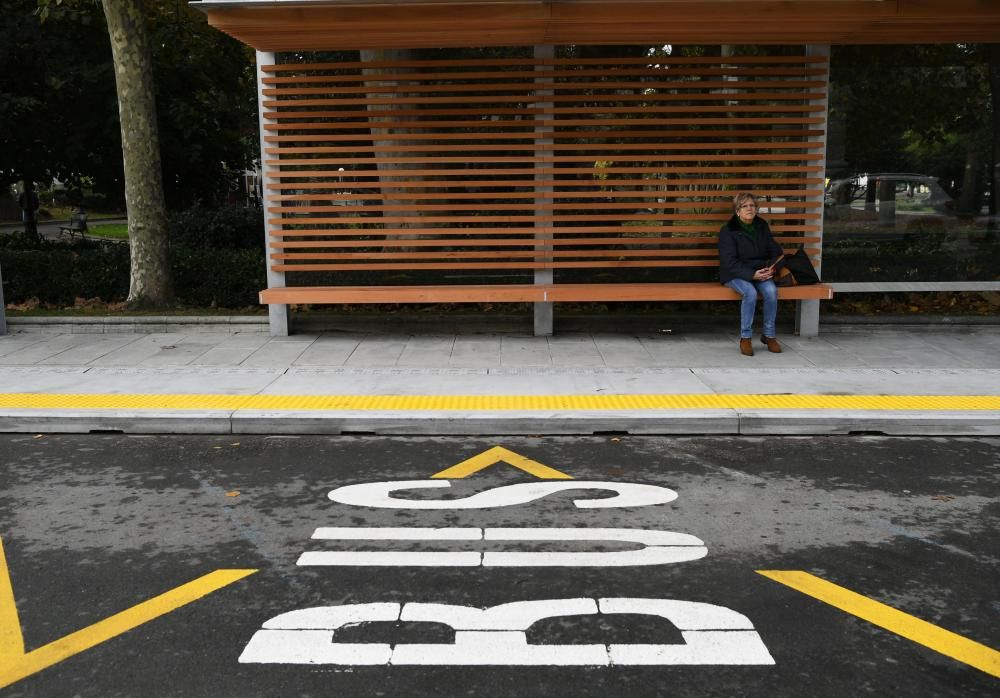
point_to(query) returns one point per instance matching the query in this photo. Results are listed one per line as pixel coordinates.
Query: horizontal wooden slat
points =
(611, 164)
(465, 63)
(525, 293)
(723, 185)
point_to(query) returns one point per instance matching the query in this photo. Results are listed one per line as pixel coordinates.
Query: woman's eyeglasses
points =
(748, 206)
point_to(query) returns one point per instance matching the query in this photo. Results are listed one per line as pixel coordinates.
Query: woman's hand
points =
(763, 274)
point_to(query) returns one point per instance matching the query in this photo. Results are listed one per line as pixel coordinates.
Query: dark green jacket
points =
(741, 254)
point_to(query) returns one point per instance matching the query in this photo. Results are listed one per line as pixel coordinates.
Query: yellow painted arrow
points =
(499, 454)
(16, 664)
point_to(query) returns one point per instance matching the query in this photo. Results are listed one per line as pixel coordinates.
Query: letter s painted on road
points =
(377, 494)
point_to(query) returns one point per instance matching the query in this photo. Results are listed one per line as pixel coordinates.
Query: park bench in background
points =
(537, 180)
(76, 227)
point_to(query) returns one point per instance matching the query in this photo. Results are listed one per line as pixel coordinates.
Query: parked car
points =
(900, 191)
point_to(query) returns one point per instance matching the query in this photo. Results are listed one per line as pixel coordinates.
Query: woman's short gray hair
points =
(741, 199)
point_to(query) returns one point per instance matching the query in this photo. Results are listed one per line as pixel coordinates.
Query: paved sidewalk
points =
(231, 377)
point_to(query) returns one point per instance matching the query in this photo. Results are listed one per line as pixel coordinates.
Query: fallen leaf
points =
(38, 436)
(943, 497)
(234, 493)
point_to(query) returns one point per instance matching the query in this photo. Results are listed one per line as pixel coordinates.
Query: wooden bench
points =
(533, 180)
(608, 261)
(76, 226)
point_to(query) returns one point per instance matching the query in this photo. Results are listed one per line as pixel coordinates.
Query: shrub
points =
(56, 274)
(225, 228)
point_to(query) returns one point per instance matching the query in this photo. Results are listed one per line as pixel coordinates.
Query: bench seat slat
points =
(524, 293)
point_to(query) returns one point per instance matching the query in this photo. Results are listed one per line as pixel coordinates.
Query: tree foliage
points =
(921, 108)
(59, 112)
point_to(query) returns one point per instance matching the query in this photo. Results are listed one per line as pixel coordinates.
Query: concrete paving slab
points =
(226, 380)
(329, 350)
(278, 353)
(431, 350)
(41, 379)
(15, 342)
(575, 350)
(521, 350)
(623, 351)
(223, 356)
(142, 348)
(927, 361)
(474, 351)
(88, 349)
(35, 352)
(378, 350)
(867, 381)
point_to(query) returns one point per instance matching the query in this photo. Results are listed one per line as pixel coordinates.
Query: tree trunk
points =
(886, 202)
(150, 282)
(383, 129)
(968, 200)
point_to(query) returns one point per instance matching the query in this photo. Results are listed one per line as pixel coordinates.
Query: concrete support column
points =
(807, 318)
(807, 312)
(279, 317)
(543, 312)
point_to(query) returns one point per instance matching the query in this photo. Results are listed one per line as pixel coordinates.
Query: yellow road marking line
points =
(11, 640)
(499, 454)
(927, 634)
(498, 403)
(16, 664)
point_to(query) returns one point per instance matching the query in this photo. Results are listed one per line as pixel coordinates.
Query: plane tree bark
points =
(150, 283)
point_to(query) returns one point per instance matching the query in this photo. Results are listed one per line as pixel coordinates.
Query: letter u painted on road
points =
(658, 547)
(497, 635)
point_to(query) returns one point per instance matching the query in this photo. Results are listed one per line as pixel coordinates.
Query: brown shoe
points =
(772, 344)
(746, 347)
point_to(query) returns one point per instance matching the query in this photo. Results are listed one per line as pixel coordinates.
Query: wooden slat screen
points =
(583, 166)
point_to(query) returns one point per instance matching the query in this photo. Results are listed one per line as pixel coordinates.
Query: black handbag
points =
(797, 271)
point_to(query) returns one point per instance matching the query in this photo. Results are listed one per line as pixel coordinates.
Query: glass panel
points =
(908, 191)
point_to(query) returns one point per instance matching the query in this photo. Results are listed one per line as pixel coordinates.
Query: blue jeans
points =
(749, 290)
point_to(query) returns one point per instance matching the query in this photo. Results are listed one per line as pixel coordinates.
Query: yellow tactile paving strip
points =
(496, 403)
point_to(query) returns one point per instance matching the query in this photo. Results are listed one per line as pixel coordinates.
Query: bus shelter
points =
(530, 128)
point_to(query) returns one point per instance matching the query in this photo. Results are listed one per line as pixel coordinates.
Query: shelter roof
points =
(285, 25)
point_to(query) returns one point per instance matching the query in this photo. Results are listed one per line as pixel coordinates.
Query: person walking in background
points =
(28, 201)
(747, 258)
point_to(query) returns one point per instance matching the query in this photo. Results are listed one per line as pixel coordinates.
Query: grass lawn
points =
(115, 231)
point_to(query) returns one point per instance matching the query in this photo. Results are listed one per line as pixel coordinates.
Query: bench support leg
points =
(543, 319)
(807, 318)
(279, 319)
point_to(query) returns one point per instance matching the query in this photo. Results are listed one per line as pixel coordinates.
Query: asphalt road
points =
(93, 525)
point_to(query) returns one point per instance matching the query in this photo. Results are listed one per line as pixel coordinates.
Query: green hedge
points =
(58, 274)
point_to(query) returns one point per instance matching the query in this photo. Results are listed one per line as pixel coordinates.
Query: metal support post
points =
(279, 317)
(807, 312)
(543, 195)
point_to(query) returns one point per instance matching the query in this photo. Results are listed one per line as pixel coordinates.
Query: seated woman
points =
(746, 248)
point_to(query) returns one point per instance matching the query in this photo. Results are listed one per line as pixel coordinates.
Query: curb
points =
(683, 423)
(138, 324)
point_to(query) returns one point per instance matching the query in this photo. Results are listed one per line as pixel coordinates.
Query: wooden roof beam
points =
(269, 25)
